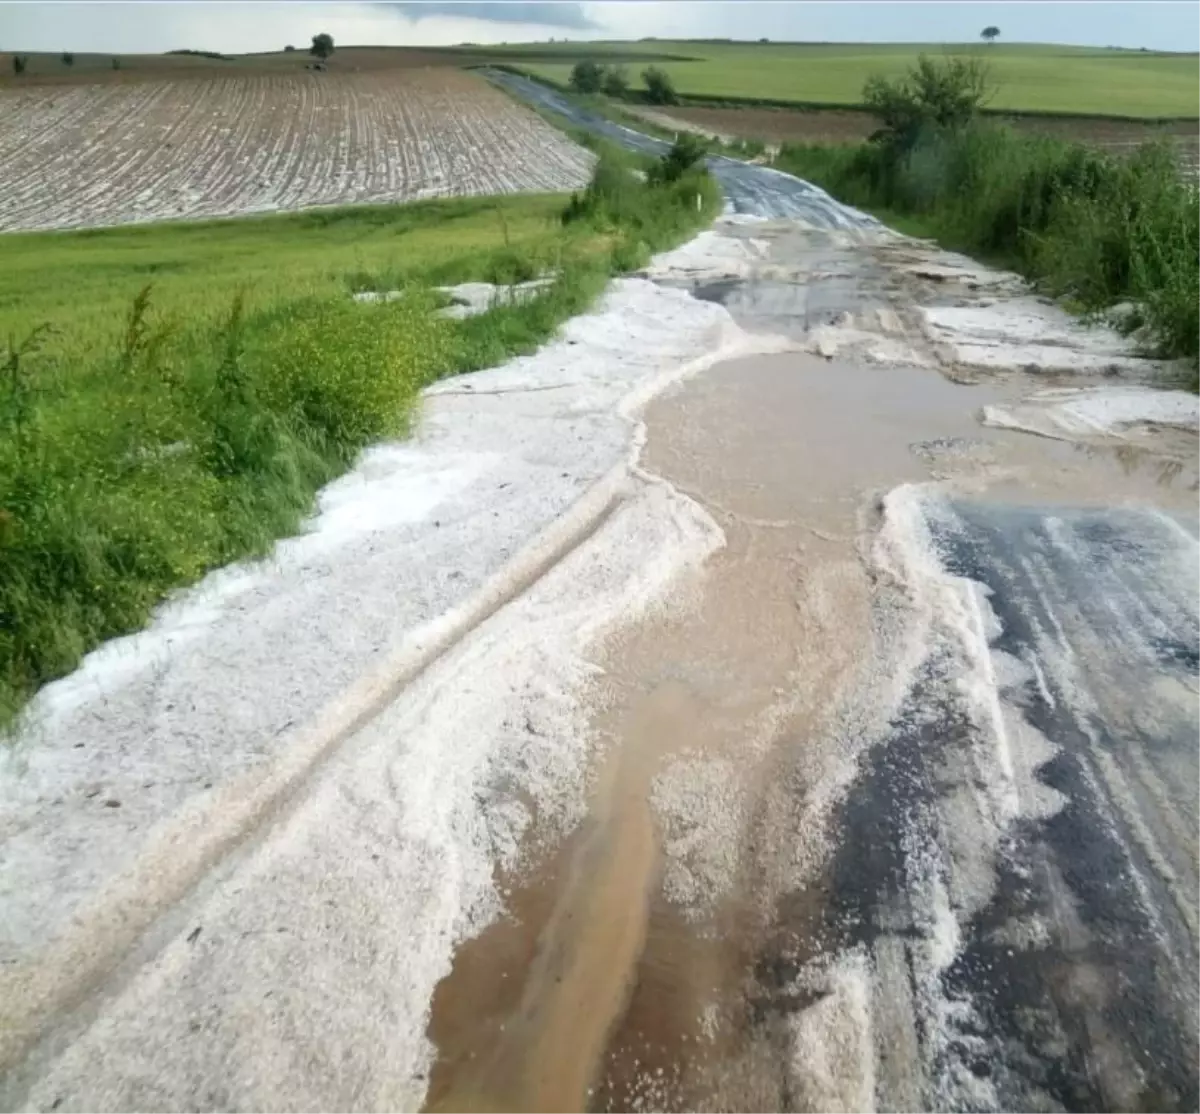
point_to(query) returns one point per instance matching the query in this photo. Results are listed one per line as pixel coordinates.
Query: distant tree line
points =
(215, 54)
(593, 77)
(20, 62)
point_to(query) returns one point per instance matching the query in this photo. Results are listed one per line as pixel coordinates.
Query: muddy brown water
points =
(630, 971)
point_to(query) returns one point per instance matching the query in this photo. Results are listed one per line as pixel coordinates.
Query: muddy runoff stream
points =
(896, 806)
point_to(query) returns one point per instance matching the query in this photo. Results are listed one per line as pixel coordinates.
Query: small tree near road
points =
(587, 77)
(660, 89)
(616, 82)
(322, 46)
(68, 59)
(19, 62)
(938, 93)
(990, 34)
(685, 152)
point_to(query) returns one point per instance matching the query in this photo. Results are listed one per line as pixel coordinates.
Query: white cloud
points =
(1164, 25)
(116, 28)
(245, 25)
(546, 13)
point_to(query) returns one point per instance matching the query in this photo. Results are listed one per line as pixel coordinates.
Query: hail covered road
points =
(778, 692)
(753, 190)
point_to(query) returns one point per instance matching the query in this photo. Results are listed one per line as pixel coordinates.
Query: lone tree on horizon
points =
(990, 34)
(322, 46)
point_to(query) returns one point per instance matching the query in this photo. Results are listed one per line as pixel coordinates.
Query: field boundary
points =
(198, 146)
(707, 100)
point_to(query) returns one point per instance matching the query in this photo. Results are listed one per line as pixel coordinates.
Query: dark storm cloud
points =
(570, 16)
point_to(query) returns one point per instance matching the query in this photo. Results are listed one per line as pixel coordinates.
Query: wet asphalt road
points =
(751, 190)
(1048, 948)
(1023, 882)
(1101, 607)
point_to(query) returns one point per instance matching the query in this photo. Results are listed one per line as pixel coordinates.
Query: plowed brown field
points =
(840, 126)
(781, 125)
(102, 154)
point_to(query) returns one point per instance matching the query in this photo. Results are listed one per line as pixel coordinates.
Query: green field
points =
(1029, 78)
(82, 283)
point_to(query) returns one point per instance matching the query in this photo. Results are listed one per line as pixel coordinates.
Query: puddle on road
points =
(624, 976)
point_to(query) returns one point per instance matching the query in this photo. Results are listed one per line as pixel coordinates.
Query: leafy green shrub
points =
(19, 62)
(685, 153)
(612, 192)
(68, 59)
(587, 77)
(935, 93)
(629, 255)
(660, 89)
(616, 82)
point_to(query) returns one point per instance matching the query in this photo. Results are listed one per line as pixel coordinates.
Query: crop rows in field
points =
(79, 156)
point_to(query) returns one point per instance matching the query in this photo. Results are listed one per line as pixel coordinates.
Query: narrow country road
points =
(778, 692)
(754, 190)
(914, 767)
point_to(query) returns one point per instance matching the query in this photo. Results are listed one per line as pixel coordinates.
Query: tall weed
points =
(1080, 223)
(652, 202)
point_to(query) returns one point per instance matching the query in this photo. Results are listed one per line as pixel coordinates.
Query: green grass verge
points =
(172, 397)
(82, 283)
(1029, 78)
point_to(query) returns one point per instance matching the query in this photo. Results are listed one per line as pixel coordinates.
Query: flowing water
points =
(656, 961)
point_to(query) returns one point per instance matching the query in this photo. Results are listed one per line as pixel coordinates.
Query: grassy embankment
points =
(150, 434)
(1030, 78)
(1092, 228)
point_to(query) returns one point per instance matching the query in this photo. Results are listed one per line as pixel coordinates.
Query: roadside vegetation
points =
(172, 396)
(1091, 227)
(590, 77)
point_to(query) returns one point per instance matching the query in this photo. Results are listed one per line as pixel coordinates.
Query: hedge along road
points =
(755, 191)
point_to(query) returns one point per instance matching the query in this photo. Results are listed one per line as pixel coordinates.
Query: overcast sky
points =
(248, 25)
